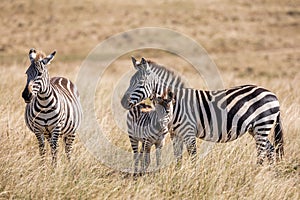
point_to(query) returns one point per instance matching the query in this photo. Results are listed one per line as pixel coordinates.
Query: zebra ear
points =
(145, 64)
(49, 58)
(32, 54)
(134, 62)
(170, 94)
(143, 61)
(152, 96)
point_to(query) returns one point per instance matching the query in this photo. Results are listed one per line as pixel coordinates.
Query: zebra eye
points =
(143, 81)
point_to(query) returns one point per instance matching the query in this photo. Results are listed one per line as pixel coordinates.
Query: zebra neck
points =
(174, 85)
(156, 121)
(47, 96)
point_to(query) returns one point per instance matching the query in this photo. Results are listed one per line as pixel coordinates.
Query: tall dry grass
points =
(228, 171)
(251, 42)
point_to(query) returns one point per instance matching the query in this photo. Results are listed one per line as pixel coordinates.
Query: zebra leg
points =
(190, 142)
(158, 147)
(270, 152)
(146, 161)
(261, 139)
(48, 137)
(68, 141)
(54, 145)
(141, 157)
(41, 141)
(178, 149)
(135, 145)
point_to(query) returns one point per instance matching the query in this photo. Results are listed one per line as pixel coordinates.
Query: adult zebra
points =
(52, 105)
(149, 126)
(217, 116)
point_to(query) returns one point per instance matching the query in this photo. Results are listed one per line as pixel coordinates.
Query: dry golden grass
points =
(255, 42)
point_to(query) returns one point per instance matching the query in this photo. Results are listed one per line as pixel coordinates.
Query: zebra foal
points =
(52, 105)
(150, 128)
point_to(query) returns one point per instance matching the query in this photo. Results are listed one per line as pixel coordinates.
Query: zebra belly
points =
(225, 136)
(153, 139)
(40, 122)
(42, 125)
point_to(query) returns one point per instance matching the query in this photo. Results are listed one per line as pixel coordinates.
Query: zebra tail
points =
(278, 139)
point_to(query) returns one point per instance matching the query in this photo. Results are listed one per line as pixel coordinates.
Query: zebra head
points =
(141, 84)
(165, 102)
(37, 74)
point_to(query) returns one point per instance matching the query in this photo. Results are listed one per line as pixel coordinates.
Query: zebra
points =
(216, 116)
(149, 126)
(53, 106)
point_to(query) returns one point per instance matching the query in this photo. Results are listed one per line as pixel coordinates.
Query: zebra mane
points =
(158, 68)
(39, 56)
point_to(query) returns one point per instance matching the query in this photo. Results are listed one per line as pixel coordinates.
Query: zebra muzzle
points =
(26, 95)
(126, 103)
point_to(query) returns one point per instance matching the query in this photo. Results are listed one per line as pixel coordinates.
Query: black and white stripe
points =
(149, 126)
(217, 116)
(52, 105)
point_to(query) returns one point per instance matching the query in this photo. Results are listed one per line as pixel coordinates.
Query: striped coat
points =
(216, 116)
(149, 127)
(52, 105)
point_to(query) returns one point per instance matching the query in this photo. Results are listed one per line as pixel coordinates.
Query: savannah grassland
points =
(253, 42)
